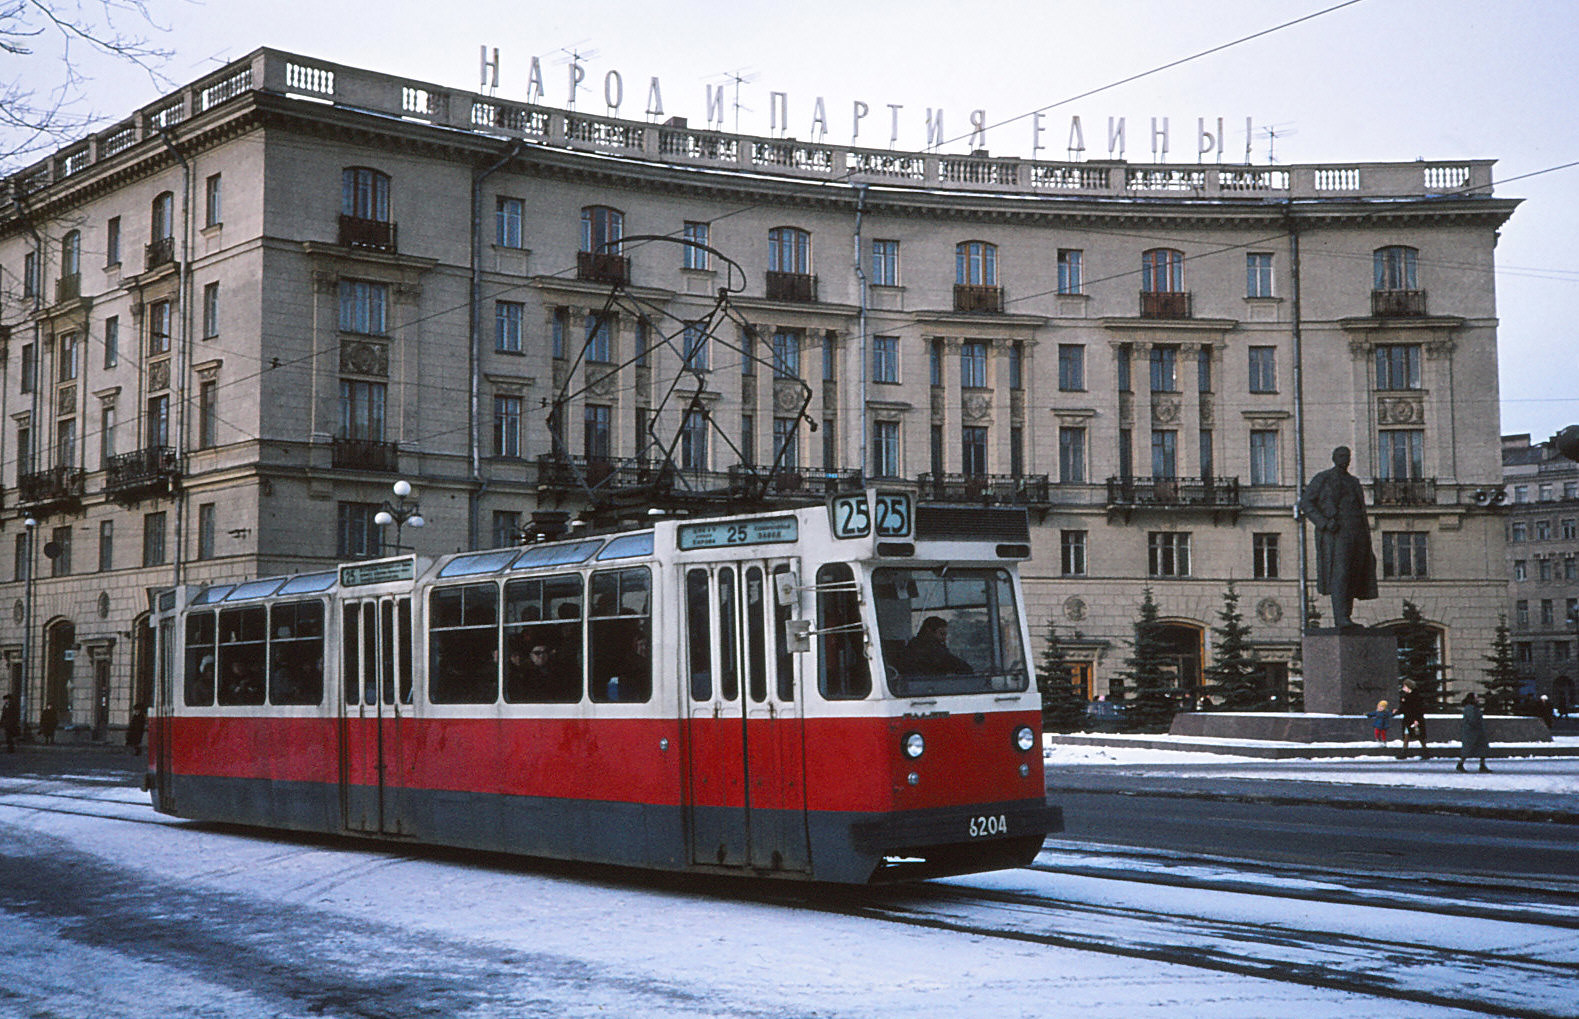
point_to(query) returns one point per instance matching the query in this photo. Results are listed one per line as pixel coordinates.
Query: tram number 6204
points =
(984, 825)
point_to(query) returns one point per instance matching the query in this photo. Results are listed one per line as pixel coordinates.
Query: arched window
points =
(162, 217)
(364, 193)
(602, 229)
(976, 264)
(1395, 268)
(71, 254)
(1162, 271)
(789, 250)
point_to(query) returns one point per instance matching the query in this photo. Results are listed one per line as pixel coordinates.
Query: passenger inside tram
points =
(927, 653)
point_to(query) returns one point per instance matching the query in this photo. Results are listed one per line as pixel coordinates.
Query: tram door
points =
(747, 805)
(376, 701)
(159, 716)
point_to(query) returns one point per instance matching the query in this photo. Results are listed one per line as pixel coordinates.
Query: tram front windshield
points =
(946, 630)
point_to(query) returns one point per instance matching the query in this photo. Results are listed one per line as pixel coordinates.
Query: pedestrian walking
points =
(1472, 734)
(48, 722)
(135, 727)
(1381, 718)
(11, 722)
(1411, 708)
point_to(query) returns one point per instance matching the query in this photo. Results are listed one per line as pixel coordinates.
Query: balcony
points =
(1397, 303)
(1216, 495)
(68, 288)
(986, 489)
(1403, 492)
(637, 484)
(56, 488)
(1165, 304)
(972, 298)
(129, 477)
(160, 252)
(365, 455)
(603, 267)
(368, 234)
(792, 286)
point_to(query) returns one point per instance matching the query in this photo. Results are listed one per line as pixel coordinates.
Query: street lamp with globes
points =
(27, 623)
(400, 512)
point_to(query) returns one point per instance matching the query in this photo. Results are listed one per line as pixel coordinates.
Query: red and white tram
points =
(838, 693)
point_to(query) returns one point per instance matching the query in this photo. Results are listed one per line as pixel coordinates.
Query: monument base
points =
(1348, 671)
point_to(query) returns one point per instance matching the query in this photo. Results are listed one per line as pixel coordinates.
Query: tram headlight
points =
(913, 745)
(1024, 738)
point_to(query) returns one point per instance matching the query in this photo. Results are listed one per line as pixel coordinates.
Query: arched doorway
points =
(1182, 647)
(60, 642)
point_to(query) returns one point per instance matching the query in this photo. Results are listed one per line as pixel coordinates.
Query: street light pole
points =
(400, 512)
(27, 625)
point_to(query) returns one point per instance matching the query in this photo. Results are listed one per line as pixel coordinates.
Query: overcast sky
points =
(1373, 80)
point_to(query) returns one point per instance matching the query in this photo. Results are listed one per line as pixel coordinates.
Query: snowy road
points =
(107, 909)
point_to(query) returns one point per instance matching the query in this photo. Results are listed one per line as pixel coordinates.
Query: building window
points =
(1568, 529)
(600, 337)
(602, 230)
(112, 341)
(159, 327)
(1258, 274)
(506, 426)
(1162, 271)
(786, 354)
(1071, 277)
(1164, 453)
(1263, 457)
(364, 193)
(210, 310)
(1570, 568)
(1164, 369)
(973, 365)
(362, 410)
(1395, 268)
(1548, 609)
(1264, 549)
(1071, 368)
(830, 444)
(935, 361)
(508, 320)
(976, 264)
(1521, 614)
(1263, 369)
(508, 218)
(1398, 366)
(693, 346)
(694, 252)
(161, 217)
(1208, 461)
(66, 357)
(1521, 493)
(643, 342)
(364, 307)
(24, 451)
(205, 531)
(885, 263)
(1016, 450)
(973, 450)
(1122, 367)
(935, 450)
(60, 566)
(29, 374)
(1072, 553)
(789, 250)
(561, 325)
(107, 432)
(207, 414)
(112, 242)
(30, 281)
(1524, 652)
(885, 359)
(357, 536)
(693, 442)
(1016, 365)
(1543, 530)
(1520, 531)
(153, 539)
(1544, 492)
(66, 443)
(1571, 489)
(1401, 455)
(597, 431)
(71, 255)
(748, 436)
(19, 562)
(106, 545)
(1521, 569)
(885, 449)
(1072, 456)
(786, 448)
(156, 423)
(506, 528)
(213, 209)
(1203, 369)
(1403, 554)
(1168, 554)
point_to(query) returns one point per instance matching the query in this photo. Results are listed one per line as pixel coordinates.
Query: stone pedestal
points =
(1348, 671)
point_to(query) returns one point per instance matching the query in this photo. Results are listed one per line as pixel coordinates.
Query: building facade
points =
(230, 321)
(1542, 495)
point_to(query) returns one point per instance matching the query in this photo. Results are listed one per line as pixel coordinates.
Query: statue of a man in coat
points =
(1334, 502)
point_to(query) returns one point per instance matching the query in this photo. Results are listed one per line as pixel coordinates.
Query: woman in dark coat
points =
(1472, 734)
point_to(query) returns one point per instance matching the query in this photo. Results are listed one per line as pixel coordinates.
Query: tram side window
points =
(698, 641)
(620, 636)
(842, 673)
(296, 653)
(786, 657)
(542, 640)
(756, 647)
(403, 620)
(463, 643)
(200, 658)
(728, 672)
(243, 647)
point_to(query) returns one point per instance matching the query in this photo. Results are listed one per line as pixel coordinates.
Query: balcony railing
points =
(160, 252)
(368, 234)
(57, 486)
(68, 288)
(603, 267)
(132, 476)
(564, 475)
(792, 286)
(968, 297)
(1403, 492)
(1165, 304)
(366, 455)
(1397, 303)
(1211, 493)
(1005, 489)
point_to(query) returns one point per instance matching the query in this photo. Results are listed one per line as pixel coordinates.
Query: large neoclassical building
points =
(229, 322)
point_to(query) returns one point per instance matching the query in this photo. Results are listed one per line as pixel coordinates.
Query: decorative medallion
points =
(1208, 410)
(977, 407)
(787, 396)
(1404, 410)
(1165, 408)
(159, 375)
(364, 358)
(604, 385)
(66, 400)
(1074, 608)
(1268, 610)
(938, 405)
(104, 605)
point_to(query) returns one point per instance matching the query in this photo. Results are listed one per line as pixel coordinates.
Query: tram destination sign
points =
(855, 514)
(361, 574)
(730, 533)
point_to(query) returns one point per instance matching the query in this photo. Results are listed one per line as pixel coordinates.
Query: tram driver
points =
(927, 653)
